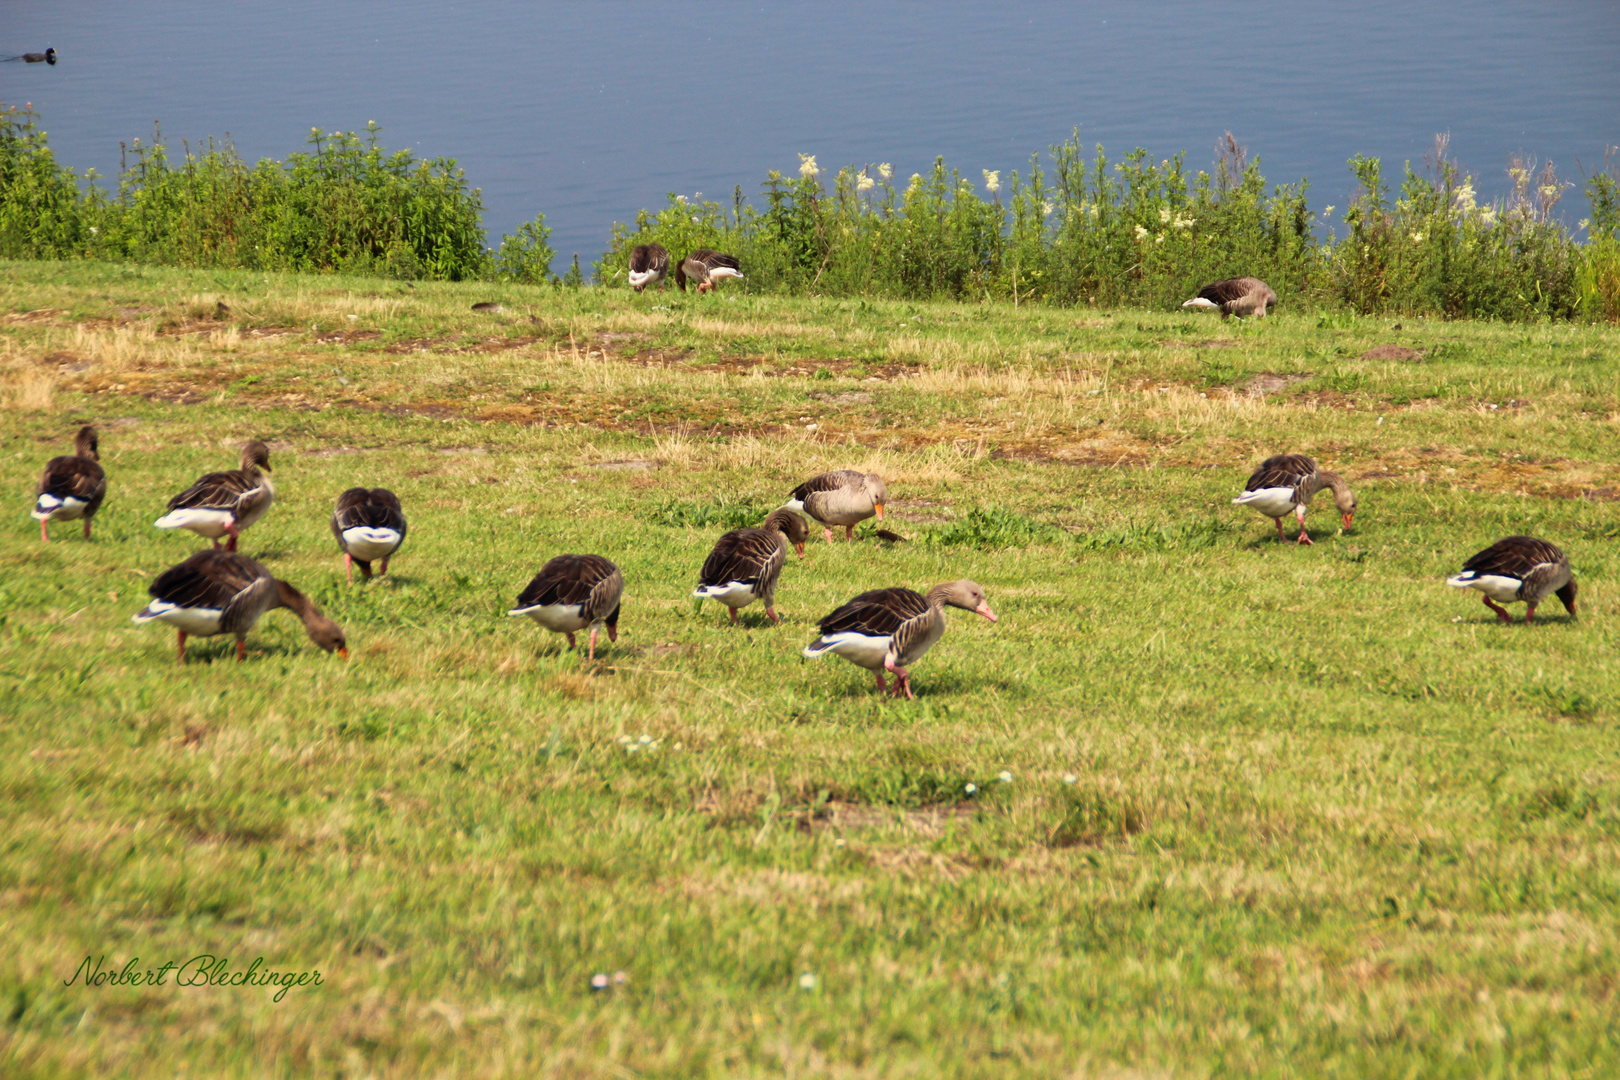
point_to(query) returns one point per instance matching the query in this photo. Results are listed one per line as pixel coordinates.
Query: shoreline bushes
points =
(347, 206)
(1074, 229)
(1081, 230)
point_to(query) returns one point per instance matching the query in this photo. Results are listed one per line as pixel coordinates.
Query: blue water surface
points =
(588, 112)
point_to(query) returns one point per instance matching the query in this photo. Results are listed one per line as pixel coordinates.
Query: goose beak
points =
(984, 609)
(343, 651)
(1347, 518)
(880, 511)
(800, 549)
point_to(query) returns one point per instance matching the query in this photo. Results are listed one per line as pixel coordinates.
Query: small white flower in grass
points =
(681, 199)
(620, 978)
(992, 180)
(1417, 238)
(1069, 778)
(680, 746)
(808, 166)
(623, 739)
(1487, 214)
(1184, 223)
(1159, 239)
(645, 739)
(807, 981)
(865, 183)
(1004, 776)
(599, 981)
(971, 788)
(885, 170)
(633, 748)
(94, 230)
(1141, 233)
(838, 842)
(1164, 215)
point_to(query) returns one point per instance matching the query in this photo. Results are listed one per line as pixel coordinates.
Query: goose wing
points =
(1519, 557)
(590, 581)
(714, 260)
(1282, 471)
(219, 491)
(74, 478)
(878, 613)
(375, 509)
(828, 481)
(1230, 290)
(649, 258)
(232, 584)
(745, 555)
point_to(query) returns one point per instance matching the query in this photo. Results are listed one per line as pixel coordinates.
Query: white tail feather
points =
(724, 271)
(1199, 301)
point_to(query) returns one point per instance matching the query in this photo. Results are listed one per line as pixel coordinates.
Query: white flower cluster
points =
(885, 170)
(992, 180)
(808, 167)
(645, 744)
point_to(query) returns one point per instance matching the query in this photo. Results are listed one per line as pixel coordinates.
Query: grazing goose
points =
(72, 487)
(1286, 483)
(745, 563)
(844, 497)
(648, 265)
(225, 503)
(572, 592)
(1238, 296)
(368, 525)
(221, 592)
(1518, 568)
(891, 628)
(708, 268)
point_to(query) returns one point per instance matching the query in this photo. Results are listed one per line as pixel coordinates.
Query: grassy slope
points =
(1329, 819)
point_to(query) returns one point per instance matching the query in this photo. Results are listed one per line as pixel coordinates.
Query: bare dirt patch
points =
(929, 821)
(1269, 382)
(1393, 352)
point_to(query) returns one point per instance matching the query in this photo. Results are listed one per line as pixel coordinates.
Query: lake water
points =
(590, 111)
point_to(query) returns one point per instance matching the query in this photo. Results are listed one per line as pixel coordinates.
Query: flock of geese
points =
(220, 591)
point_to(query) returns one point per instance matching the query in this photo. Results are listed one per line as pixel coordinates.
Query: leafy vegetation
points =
(346, 206)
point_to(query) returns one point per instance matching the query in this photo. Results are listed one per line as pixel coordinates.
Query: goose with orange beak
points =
(891, 629)
(843, 497)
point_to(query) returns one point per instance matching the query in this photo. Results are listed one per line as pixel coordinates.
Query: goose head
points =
(790, 525)
(964, 594)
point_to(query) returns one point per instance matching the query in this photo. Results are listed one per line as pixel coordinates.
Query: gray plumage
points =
(1236, 296)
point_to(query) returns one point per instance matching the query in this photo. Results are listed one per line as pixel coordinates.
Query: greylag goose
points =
(225, 503)
(844, 497)
(745, 563)
(1286, 483)
(72, 487)
(888, 629)
(1518, 568)
(369, 525)
(648, 265)
(221, 592)
(1238, 296)
(572, 592)
(708, 268)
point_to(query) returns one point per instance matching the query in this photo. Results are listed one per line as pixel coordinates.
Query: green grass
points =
(1273, 811)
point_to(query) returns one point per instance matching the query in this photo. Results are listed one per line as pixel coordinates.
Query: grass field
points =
(1242, 808)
